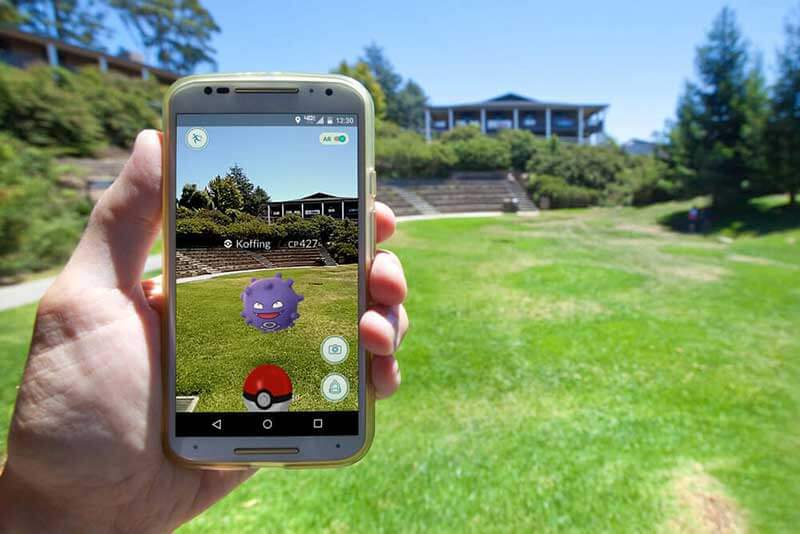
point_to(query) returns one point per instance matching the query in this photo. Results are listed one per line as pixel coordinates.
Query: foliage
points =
(720, 118)
(405, 103)
(80, 22)
(360, 72)
(36, 106)
(481, 153)
(560, 193)
(178, 31)
(225, 194)
(193, 198)
(40, 220)
(123, 106)
(783, 129)
(460, 133)
(76, 112)
(522, 144)
(254, 198)
(406, 154)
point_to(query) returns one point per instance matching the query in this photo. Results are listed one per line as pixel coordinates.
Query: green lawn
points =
(217, 350)
(585, 370)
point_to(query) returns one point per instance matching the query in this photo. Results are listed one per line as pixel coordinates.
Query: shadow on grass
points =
(757, 217)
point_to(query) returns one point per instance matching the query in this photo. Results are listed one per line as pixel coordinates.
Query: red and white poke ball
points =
(267, 389)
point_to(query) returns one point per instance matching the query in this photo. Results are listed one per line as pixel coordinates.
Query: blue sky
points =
(288, 162)
(634, 56)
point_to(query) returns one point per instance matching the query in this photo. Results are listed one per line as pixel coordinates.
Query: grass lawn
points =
(585, 370)
(217, 350)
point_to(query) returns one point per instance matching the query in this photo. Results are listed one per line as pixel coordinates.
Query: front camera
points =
(207, 90)
(329, 92)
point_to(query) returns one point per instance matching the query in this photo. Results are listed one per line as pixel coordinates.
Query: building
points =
(316, 204)
(572, 122)
(639, 147)
(22, 49)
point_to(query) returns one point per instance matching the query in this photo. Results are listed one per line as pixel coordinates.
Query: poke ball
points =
(267, 389)
(270, 304)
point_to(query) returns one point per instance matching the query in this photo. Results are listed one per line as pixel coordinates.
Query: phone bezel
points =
(188, 96)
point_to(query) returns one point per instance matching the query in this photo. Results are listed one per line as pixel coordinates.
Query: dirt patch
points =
(642, 229)
(702, 505)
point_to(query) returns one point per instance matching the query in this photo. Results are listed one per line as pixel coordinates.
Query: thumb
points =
(123, 224)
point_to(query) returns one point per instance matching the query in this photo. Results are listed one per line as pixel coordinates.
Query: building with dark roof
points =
(315, 204)
(572, 122)
(22, 49)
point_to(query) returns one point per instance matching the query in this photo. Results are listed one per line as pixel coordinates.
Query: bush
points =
(79, 112)
(40, 220)
(482, 154)
(461, 133)
(560, 193)
(198, 231)
(522, 146)
(406, 154)
(37, 108)
(122, 105)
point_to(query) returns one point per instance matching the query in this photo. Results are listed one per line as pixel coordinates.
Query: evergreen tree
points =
(193, 198)
(360, 71)
(253, 198)
(716, 139)
(225, 194)
(783, 130)
(405, 106)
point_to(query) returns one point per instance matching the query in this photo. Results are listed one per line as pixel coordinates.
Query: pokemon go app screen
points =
(266, 261)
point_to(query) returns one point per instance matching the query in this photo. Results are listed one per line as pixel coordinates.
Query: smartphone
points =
(269, 233)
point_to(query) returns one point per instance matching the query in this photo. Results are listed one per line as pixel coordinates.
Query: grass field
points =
(585, 370)
(217, 350)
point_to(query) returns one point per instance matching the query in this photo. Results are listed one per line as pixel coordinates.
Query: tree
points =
(224, 194)
(178, 31)
(408, 107)
(193, 198)
(79, 22)
(405, 106)
(360, 71)
(715, 141)
(254, 198)
(783, 129)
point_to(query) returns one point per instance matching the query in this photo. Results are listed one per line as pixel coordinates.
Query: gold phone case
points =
(168, 231)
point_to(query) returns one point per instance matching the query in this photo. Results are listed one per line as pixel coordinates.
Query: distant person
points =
(705, 220)
(694, 215)
(84, 447)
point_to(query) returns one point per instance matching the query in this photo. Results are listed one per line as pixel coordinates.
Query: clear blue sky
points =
(633, 55)
(287, 162)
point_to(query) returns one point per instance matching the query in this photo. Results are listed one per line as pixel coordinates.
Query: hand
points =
(84, 448)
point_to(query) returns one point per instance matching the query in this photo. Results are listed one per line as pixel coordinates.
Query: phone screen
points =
(266, 269)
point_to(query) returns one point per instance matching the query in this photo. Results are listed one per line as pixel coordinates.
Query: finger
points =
(387, 282)
(385, 375)
(382, 329)
(123, 224)
(384, 221)
(153, 292)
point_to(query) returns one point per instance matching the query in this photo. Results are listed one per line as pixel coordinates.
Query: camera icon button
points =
(334, 349)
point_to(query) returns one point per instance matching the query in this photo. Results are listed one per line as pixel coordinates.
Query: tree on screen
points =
(225, 194)
(254, 198)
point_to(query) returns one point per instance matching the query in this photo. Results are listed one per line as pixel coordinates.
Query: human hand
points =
(84, 448)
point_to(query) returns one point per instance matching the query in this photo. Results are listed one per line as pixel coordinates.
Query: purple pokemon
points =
(270, 304)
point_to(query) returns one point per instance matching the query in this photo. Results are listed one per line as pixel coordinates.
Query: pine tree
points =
(717, 137)
(783, 130)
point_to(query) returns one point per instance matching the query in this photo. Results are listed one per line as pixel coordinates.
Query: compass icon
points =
(196, 138)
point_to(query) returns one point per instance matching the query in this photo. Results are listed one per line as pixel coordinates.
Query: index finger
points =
(384, 221)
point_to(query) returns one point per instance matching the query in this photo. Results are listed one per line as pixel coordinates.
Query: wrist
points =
(24, 509)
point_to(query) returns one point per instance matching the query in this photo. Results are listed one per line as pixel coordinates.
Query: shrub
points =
(198, 231)
(461, 133)
(560, 193)
(482, 154)
(406, 154)
(38, 108)
(122, 105)
(522, 146)
(40, 220)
